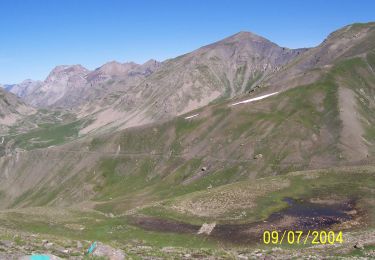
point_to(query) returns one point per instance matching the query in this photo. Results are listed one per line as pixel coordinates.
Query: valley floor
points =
(341, 204)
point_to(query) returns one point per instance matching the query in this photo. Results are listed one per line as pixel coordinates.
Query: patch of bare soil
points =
(353, 144)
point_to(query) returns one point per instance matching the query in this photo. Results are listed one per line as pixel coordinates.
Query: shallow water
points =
(302, 208)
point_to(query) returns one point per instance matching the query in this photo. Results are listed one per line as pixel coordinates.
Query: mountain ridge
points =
(134, 94)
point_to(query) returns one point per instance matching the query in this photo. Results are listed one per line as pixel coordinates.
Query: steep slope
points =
(11, 109)
(350, 41)
(348, 52)
(217, 71)
(220, 70)
(112, 80)
(221, 144)
(61, 80)
(356, 92)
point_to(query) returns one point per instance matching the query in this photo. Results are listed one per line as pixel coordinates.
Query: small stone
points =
(203, 169)
(359, 245)
(206, 228)
(48, 245)
(258, 156)
(79, 245)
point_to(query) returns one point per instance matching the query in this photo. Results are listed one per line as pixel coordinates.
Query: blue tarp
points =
(39, 257)
(91, 248)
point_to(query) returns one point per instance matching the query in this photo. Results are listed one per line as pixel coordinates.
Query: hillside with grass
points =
(300, 159)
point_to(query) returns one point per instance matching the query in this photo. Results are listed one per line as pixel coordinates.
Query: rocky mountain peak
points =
(150, 62)
(66, 71)
(27, 81)
(148, 67)
(113, 68)
(244, 39)
(243, 35)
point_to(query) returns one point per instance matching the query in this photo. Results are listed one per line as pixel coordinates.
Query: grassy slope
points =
(43, 129)
(358, 74)
(160, 161)
(163, 162)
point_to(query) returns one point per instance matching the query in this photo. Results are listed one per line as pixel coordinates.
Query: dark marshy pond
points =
(317, 215)
(299, 215)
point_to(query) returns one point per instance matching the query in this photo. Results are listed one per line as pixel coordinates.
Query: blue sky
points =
(37, 35)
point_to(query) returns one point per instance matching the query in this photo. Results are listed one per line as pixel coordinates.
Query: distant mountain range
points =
(136, 94)
(120, 95)
(68, 85)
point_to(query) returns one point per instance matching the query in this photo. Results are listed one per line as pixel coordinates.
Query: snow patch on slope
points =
(253, 99)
